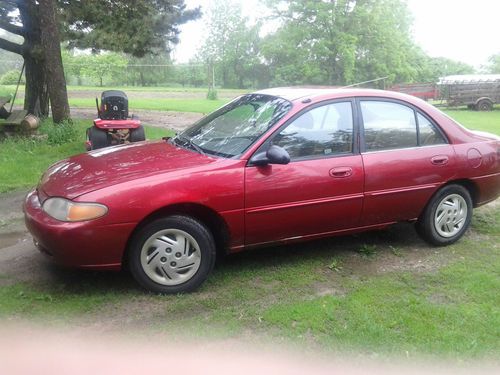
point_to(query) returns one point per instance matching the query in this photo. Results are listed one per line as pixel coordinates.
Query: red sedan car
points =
(275, 166)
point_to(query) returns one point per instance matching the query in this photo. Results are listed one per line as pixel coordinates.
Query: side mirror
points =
(274, 155)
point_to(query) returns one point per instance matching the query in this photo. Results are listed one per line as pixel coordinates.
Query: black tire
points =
(484, 105)
(164, 275)
(98, 138)
(452, 228)
(137, 135)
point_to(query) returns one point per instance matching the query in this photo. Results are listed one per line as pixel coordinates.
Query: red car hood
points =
(102, 168)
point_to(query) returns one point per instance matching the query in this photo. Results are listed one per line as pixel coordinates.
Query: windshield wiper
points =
(188, 142)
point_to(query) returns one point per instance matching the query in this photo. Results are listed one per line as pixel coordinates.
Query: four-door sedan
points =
(275, 166)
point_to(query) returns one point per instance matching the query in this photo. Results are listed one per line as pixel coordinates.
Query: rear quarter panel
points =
(480, 162)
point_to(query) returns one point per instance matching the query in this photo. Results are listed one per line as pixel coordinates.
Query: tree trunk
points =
(36, 98)
(54, 70)
(36, 93)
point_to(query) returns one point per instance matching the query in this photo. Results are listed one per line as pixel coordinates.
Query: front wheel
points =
(137, 135)
(172, 255)
(98, 138)
(446, 217)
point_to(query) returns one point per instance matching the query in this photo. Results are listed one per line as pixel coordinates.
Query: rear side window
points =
(322, 131)
(429, 135)
(388, 125)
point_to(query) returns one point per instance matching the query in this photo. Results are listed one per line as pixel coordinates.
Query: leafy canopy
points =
(137, 27)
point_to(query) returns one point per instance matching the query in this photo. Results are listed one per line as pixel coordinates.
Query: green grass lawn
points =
(404, 298)
(485, 121)
(161, 104)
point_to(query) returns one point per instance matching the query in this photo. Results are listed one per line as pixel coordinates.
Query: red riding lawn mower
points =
(113, 126)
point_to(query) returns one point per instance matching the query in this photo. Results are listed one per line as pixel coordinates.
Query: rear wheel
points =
(484, 105)
(137, 135)
(172, 255)
(98, 138)
(446, 217)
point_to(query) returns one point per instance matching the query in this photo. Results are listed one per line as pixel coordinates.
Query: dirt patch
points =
(11, 238)
(171, 120)
(11, 205)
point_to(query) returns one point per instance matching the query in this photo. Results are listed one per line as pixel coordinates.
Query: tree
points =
(494, 64)
(340, 42)
(135, 27)
(231, 44)
(443, 66)
(104, 65)
(150, 70)
(54, 71)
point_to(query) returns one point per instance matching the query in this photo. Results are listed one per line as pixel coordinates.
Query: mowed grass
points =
(484, 121)
(161, 104)
(403, 299)
(23, 160)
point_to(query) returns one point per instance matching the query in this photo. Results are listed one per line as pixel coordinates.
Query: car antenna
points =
(362, 83)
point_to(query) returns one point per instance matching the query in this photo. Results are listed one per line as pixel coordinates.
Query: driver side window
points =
(322, 131)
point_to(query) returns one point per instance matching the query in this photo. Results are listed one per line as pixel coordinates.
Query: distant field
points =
(161, 104)
(179, 99)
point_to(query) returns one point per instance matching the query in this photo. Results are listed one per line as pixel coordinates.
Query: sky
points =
(467, 31)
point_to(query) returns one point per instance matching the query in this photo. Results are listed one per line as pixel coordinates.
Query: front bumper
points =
(86, 244)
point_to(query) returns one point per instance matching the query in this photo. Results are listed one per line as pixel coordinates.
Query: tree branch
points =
(11, 46)
(14, 29)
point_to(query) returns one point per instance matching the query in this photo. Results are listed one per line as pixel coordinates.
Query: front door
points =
(319, 191)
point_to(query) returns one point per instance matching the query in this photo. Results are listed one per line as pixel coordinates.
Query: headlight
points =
(66, 210)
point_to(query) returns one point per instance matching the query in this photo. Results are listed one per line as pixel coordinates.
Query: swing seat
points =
(16, 117)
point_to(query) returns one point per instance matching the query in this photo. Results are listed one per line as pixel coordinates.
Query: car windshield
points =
(229, 131)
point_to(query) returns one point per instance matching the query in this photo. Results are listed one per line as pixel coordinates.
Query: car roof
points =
(298, 93)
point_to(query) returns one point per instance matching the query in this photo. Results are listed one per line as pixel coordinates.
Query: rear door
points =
(406, 158)
(319, 191)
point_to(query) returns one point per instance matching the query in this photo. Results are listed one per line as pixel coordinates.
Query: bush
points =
(212, 94)
(11, 77)
(58, 134)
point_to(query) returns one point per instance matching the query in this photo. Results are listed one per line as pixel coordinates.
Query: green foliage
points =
(212, 94)
(340, 42)
(231, 45)
(11, 78)
(436, 67)
(59, 134)
(494, 64)
(134, 27)
(103, 66)
(149, 70)
(335, 265)
(367, 250)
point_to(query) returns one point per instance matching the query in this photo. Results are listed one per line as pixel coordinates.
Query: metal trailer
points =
(480, 93)
(425, 91)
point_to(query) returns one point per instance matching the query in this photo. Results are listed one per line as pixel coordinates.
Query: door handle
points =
(440, 160)
(341, 172)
